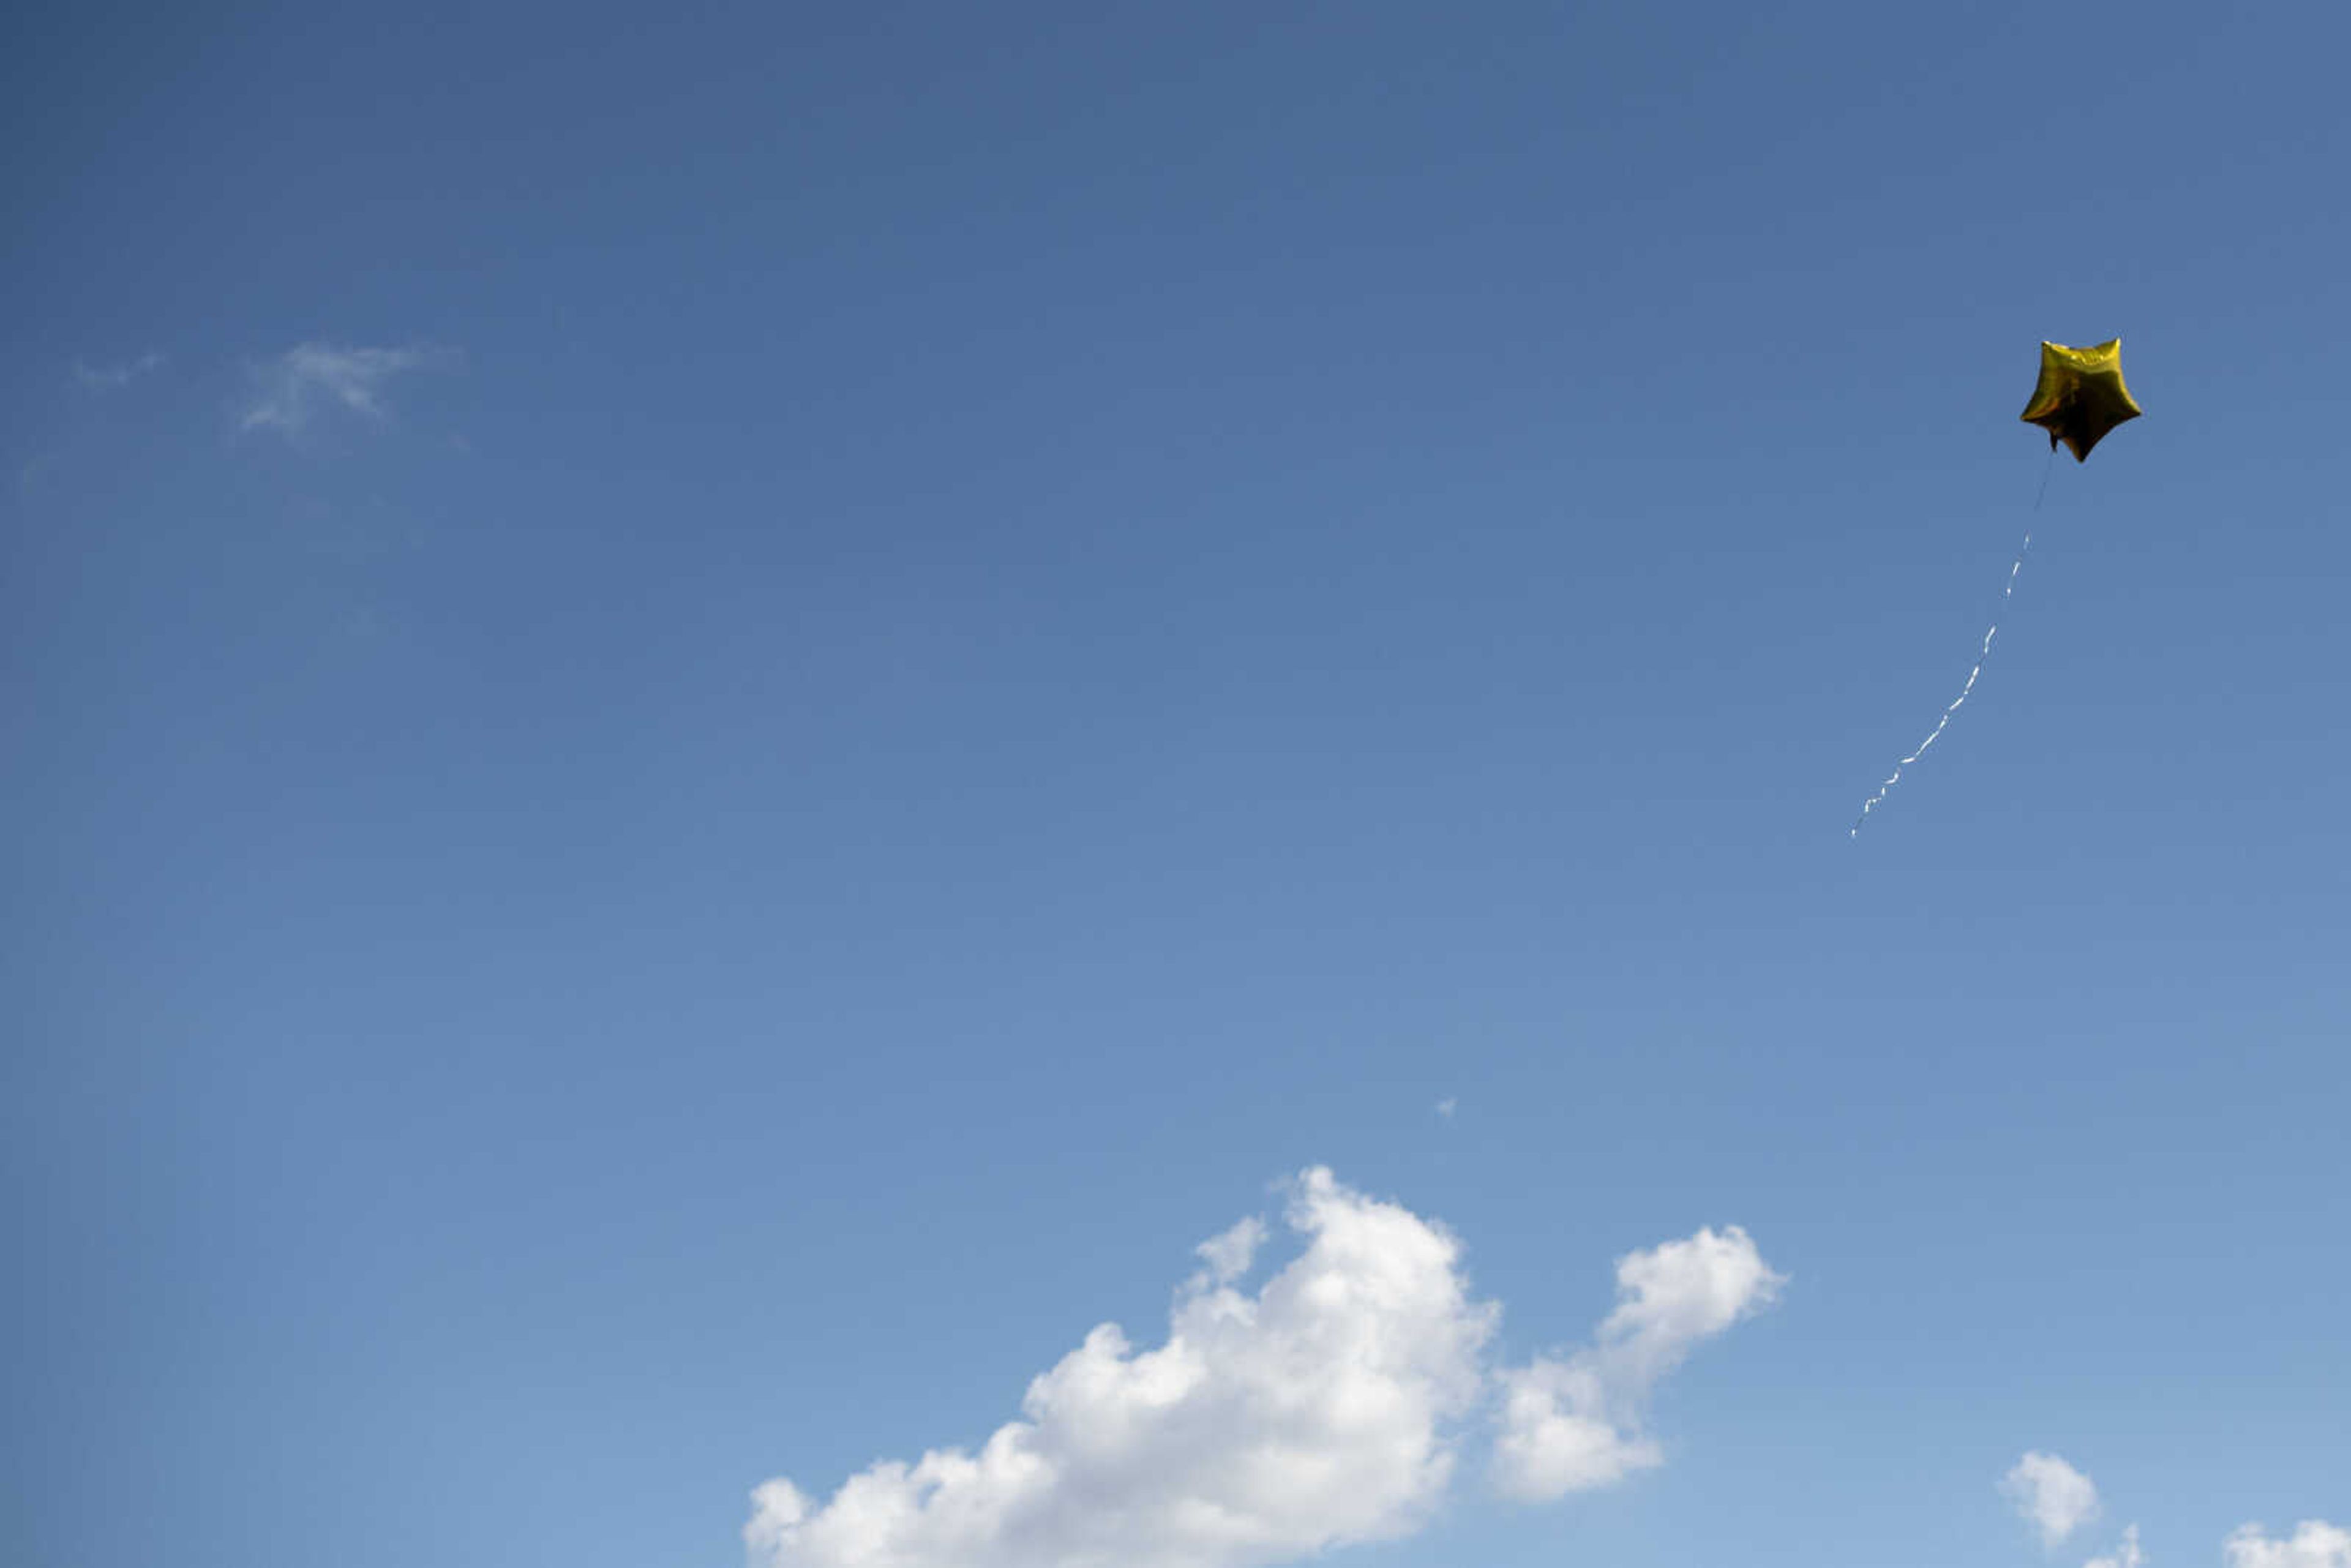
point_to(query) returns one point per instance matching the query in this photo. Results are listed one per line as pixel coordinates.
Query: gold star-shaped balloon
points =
(2081, 395)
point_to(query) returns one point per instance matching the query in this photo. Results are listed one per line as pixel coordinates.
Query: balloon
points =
(2080, 396)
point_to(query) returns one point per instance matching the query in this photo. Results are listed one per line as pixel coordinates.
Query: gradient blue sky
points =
(979, 630)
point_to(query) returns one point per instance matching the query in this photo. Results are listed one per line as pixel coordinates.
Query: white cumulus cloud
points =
(1331, 1407)
(309, 377)
(1266, 1427)
(2315, 1543)
(2053, 1496)
(1573, 1423)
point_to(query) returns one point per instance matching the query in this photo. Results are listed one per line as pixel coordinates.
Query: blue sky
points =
(716, 722)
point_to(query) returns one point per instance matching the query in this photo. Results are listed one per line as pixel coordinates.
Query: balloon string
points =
(1984, 654)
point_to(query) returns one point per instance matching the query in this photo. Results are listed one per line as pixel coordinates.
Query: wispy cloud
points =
(2053, 1495)
(1325, 1409)
(309, 377)
(1447, 1106)
(111, 378)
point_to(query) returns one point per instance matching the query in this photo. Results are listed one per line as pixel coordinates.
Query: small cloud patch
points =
(2126, 1555)
(2051, 1494)
(2315, 1543)
(312, 378)
(114, 377)
(1573, 1423)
